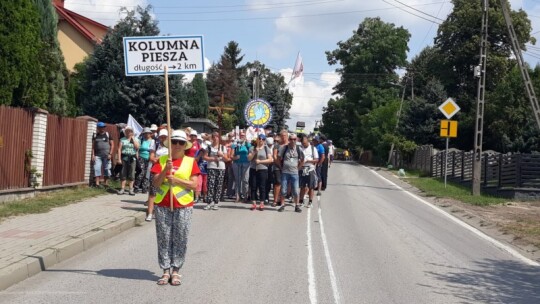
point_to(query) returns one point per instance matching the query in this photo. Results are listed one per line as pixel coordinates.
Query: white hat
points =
(153, 127)
(193, 132)
(181, 135)
(163, 132)
(270, 140)
(199, 137)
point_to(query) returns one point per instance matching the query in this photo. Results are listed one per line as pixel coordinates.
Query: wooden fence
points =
(498, 170)
(15, 143)
(65, 152)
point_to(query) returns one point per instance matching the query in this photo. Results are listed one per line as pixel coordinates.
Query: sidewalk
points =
(32, 243)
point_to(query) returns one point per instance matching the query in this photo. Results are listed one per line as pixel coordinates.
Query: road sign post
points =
(449, 128)
(164, 55)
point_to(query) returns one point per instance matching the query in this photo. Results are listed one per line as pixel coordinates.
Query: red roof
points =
(73, 19)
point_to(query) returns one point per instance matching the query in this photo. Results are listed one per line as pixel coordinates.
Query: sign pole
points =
(168, 107)
(446, 161)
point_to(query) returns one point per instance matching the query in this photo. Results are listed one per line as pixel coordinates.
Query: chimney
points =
(59, 3)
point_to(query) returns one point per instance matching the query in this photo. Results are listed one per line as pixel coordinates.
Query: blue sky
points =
(274, 31)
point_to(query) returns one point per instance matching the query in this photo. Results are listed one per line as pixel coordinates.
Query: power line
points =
(234, 10)
(283, 17)
(204, 6)
(421, 12)
(411, 13)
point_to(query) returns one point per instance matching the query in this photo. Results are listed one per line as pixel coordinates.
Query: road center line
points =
(479, 233)
(311, 271)
(333, 280)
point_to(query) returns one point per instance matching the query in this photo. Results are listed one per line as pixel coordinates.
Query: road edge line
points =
(312, 281)
(333, 280)
(463, 224)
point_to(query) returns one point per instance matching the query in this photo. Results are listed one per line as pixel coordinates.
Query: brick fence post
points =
(39, 140)
(90, 131)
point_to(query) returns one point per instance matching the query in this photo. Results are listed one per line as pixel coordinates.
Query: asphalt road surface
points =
(369, 242)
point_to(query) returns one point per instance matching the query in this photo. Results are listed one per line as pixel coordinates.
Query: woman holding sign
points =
(179, 175)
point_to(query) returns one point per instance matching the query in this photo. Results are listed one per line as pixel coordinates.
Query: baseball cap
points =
(262, 136)
(146, 130)
(270, 140)
(101, 125)
(193, 132)
(153, 127)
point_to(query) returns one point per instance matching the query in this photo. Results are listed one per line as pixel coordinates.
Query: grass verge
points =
(435, 187)
(46, 201)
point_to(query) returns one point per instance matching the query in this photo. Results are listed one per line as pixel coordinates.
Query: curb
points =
(45, 259)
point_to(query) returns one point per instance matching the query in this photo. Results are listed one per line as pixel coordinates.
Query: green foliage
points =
(366, 114)
(111, 96)
(52, 60)
(23, 80)
(198, 98)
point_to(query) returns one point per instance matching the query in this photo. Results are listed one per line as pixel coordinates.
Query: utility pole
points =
(397, 122)
(521, 63)
(479, 128)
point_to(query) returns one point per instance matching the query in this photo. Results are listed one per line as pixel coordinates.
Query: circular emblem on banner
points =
(258, 113)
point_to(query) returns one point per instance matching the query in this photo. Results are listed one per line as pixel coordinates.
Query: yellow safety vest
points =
(183, 195)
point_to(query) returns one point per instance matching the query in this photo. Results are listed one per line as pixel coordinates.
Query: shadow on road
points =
(491, 281)
(130, 274)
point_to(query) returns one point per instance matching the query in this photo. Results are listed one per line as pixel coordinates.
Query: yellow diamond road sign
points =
(449, 108)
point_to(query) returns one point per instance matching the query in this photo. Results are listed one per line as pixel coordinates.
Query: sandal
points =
(175, 280)
(164, 280)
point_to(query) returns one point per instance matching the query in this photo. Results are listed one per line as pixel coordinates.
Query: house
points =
(201, 125)
(77, 34)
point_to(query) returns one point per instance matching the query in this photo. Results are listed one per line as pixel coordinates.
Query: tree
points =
(336, 124)
(457, 43)
(109, 95)
(232, 54)
(198, 98)
(368, 59)
(52, 60)
(23, 80)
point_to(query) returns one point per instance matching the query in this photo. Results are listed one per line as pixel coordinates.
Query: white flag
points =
(298, 67)
(137, 129)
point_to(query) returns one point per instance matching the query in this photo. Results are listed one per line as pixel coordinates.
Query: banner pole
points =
(168, 107)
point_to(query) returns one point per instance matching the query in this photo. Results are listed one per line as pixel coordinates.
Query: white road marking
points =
(479, 233)
(311, 271)
(333, 280)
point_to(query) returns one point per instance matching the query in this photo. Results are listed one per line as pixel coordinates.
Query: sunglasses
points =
(290, 139)
(178, 142)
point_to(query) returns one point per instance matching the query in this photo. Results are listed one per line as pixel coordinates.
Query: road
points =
(369, 242)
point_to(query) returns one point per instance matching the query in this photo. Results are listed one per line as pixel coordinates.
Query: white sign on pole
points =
(149, 55)
(449, 108)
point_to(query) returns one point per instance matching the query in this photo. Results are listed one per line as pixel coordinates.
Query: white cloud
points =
(104, 11)
(309, 97)
(207, 64)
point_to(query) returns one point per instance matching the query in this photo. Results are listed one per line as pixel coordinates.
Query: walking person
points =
(260, 157)
(228, 184)
(325, 164)
(318, 169)
(239, 155)
(216, 156)
(148, 145)
(178, 175)
(331, 153)
(202, 184)
(102, 152)
(127, 157)
(160, 150)
(308, 178)
(270, 179)
(283, 140)
(291, 159)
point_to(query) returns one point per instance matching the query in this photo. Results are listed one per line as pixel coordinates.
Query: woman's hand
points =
(168, 166)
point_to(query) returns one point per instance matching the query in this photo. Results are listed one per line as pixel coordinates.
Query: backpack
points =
(282, 156)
